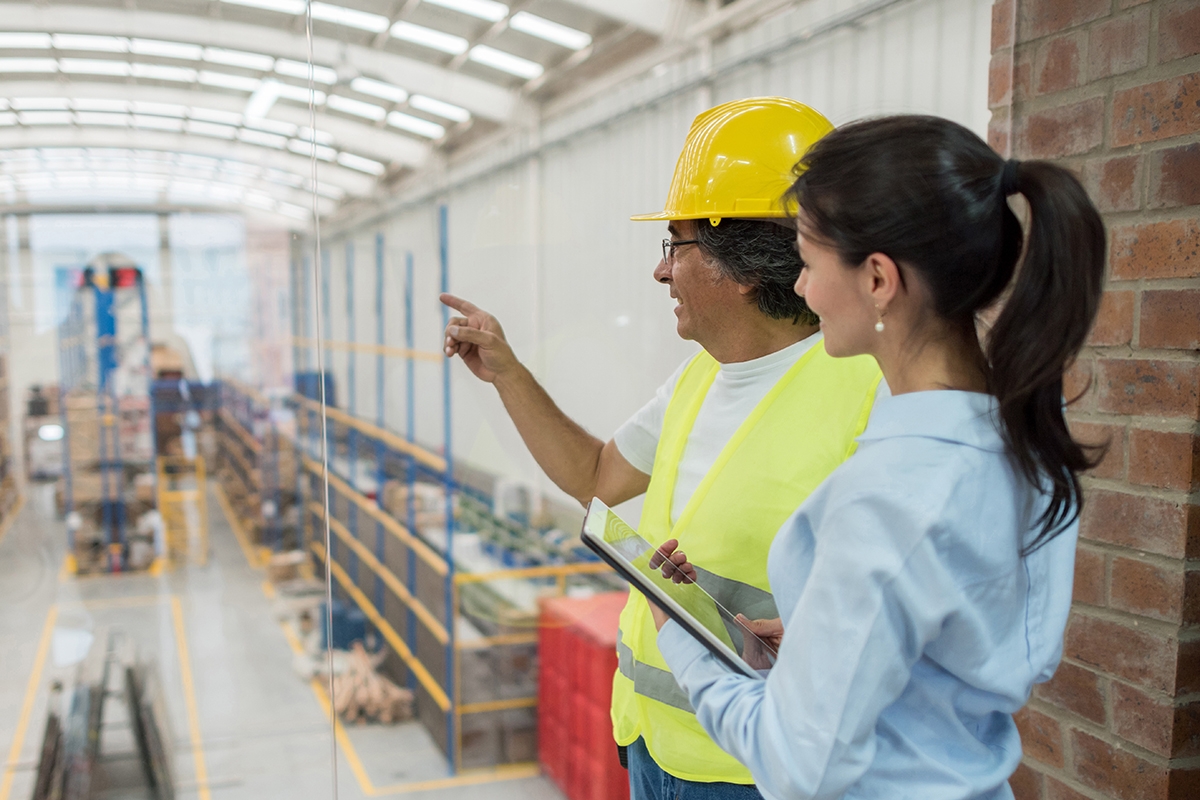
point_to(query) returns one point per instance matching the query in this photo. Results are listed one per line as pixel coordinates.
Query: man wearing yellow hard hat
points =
(731, 444)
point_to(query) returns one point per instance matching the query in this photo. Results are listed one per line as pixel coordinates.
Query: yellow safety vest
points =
(803, 429)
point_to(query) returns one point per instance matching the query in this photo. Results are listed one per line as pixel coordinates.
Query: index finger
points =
(458, 304)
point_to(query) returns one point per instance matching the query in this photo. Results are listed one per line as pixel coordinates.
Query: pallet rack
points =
(457, 635)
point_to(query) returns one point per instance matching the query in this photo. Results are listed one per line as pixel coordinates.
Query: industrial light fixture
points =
(282, 6)
(262, 138)
(428, 37)
(99, 104)
(361, 164)
(227, 81)
(543, 28)
(272, 125)
(50, 432)
(300, 94)
(39, 104)
(214, 115)
(159, 109)
(157, 123)
(505, 62)
(83, 41)
(301, 147)
(101, 118)
(93, 66)
(211, 129)
(45, 117)
(239, 58)
(28, 64)
(384, 91)
(155, 47)
(483, 9)
(356, 107)
(350, 17)
(263, 99)
(25, 41)
(438, 107)
(421, 127)
(160, 72)
(299, 69)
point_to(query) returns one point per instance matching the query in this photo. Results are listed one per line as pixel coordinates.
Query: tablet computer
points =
(687, 603)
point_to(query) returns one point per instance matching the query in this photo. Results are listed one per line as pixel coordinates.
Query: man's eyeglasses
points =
(669, 246)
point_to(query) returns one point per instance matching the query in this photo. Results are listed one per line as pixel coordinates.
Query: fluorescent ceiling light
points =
(239, 58)
(306, 149)
(361, 164)
(99, 118)
(93, 66)
(542, 28)
(25, 41)
(446, 110)
(251, 136)
(282, 6)
(322, 137)
(505, 62)
(159, 109)
(227, 81)
(384, 91)
(154, 47)
(45, 117)
(356, 107)
(272, 125)
(157, 123)
(40, 104)
(213, 115)
(299, 69)
(209, 129)
(483, 9)
(300, 94)
(159, 72)
(421, 127)
(263, 98)
(82, 41)
(28, 65)
(97, 104)
(428, 37)
(350, 17)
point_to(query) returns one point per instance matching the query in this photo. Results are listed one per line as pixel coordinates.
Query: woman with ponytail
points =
(924, 587)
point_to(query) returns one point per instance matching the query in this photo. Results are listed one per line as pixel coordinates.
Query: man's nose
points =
(662, 273)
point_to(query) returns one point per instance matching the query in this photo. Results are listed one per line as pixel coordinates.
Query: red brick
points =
(1191, 597)
(1184, 784)
(1149, 387)
(1170, 320)
(1115, 772)
(1038, 18)
(1026, 783)
(1057, 790)
(1095, 435)
(1129, 520)
(1175, 177)
(1003, 24)
(1164, 459)
(1057, 63)
(1090, 577)
(1185, 739)
(1062, 131)
(1119, 45)
(999, 131)
(1178, 30)
(1133, 654)
(1144, 720)
(1169, 249)
(1000, 74)
(1147, 589)
(1079, 385)
(1041, 736)
(1114, 321)
(1156, 111)
(1077, 690)
(1114, 183)
(1187, 678)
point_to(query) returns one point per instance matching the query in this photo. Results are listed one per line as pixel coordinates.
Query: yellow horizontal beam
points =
(423, 551)
(485, 642)
(544, 571)
(364, 347)
(397, 443)
(255, 395)
(247, 438)
(389, 633)
(498, 705)
(399, 589)
(247, 467)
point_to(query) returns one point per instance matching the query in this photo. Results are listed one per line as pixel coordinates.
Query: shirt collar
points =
(968, 418)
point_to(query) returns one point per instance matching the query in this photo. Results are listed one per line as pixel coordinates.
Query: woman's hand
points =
(760, 649)
(673, 562)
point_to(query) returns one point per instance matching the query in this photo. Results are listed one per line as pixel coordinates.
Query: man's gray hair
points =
(761, 254)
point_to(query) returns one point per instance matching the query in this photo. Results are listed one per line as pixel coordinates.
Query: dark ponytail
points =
(932, 196)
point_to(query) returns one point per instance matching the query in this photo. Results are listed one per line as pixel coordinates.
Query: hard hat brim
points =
(667, 215)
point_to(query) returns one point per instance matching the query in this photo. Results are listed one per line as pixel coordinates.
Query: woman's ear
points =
(882, 279)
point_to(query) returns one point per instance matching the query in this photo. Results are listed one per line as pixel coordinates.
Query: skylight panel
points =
(158, 72)
(39, 104)
(100, 104)
(251, 136)
(28, 65)
(356, 107)
(505, 62)
(439, 108)
(159, 109)
(361, 164)
(282, 6)
(93, 66)
(155, 47)
(299, 69)
(82, 41)
(213, 115)
(25, 41)
(421, 127)
(101, 118)
(384, 91)
(483, 9)
(428, 37)
(350, 17)
(543, 28)
(239, 58)
(227, 81)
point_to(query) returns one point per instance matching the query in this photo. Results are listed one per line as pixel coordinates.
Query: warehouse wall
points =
(538, 224)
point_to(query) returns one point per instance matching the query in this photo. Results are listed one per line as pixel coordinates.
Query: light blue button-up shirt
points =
(913, 627)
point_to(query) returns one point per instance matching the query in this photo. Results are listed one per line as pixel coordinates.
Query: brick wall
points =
(1111, 89)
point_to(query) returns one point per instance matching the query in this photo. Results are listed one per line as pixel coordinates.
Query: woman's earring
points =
(879, 324)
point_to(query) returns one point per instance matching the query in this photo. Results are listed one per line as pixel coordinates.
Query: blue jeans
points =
(648, 781)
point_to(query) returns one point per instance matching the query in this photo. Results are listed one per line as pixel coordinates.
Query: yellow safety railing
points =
(364, 347)
(184, 510)
(397, 443)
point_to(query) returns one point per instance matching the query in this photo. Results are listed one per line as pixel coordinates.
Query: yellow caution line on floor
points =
(189, 696)
(12, 515)
(31, 691)
(510, 772)
(232, 518)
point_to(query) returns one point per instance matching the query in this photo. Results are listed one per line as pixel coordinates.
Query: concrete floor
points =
(259, 732)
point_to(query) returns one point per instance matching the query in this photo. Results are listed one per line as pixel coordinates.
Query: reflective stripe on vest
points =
(798, 434)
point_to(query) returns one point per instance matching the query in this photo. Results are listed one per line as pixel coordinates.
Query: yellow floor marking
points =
(12, 515)
(68, 568)
(31, 692)
(189, 696)
(232, 518)
(268, 590)
(117, 602)
(503, 773)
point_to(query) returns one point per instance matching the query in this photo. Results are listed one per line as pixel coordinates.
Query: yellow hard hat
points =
(738, 160)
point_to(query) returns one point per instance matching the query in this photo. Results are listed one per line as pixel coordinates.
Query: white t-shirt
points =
(735, 392)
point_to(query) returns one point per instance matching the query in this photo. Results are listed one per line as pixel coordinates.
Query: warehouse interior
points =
(259, 537)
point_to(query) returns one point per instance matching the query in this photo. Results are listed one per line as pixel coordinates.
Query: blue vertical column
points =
(410, 473)
(330, 442)
(451, 611)
(351, 407)
(380, 380)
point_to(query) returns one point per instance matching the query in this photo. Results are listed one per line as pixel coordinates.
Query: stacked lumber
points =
(361, 694)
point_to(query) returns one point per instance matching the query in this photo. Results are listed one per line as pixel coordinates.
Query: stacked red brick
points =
(1111, 89)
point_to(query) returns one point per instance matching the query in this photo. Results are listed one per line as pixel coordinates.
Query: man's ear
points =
(745, 289)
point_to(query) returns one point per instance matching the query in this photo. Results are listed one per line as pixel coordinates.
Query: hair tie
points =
(1008, 177)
